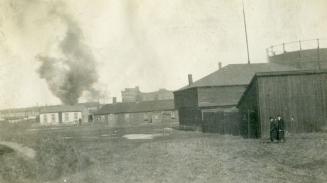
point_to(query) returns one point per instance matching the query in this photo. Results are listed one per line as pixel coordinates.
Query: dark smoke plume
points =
(74, 73)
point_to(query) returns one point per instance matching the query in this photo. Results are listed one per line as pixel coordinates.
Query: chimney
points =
(219, 65)
(114, 100)
(190, 79)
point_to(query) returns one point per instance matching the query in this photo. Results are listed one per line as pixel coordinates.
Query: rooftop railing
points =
(296, 46)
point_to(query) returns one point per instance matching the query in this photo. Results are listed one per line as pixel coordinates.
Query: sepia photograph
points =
(163, 91)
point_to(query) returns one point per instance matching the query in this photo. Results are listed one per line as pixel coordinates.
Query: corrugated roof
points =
(236, 74)
(133, 107)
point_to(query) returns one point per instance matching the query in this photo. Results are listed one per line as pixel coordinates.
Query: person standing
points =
(281, 129)
(273, 129)
(79, 122)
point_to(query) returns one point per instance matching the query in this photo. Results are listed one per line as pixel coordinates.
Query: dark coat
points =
(273, 130)
(281, 129)
(280, 124)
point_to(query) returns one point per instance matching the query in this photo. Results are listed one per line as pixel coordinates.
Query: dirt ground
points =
(178, 156)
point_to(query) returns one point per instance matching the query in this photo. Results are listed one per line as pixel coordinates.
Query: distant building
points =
(55, 115)
(212, 100)
(137, 113)
(135, 95)
(19, 114)
(33, 113)
(161, 94)
(300, 97)
(131, 95)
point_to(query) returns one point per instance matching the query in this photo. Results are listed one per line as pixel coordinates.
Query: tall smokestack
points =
(114, 100)
(190, 79)
(219, 65)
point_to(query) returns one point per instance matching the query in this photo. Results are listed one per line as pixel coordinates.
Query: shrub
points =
(14, 168)
(55, 158)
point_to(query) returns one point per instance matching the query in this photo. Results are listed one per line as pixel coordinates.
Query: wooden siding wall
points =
(303, 97)
(221, 122)
(219, 96)
(249, 126)
(186, 98)
(190, 117)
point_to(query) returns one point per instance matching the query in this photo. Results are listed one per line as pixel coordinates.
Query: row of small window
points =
(146, 116)
(53, 117)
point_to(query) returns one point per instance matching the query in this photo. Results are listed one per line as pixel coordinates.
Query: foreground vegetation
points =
(94, 154)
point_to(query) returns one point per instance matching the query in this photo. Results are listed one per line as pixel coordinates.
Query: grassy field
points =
(100, 154)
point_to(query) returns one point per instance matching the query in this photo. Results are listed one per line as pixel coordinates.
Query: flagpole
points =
(246, 34)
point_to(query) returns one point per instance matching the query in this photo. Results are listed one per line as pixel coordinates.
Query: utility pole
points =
(318, 54)
(246, 34)
(248, 118)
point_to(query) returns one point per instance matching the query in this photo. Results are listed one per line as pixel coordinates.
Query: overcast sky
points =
(147, 43)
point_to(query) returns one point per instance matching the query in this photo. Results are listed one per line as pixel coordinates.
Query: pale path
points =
(21, 149)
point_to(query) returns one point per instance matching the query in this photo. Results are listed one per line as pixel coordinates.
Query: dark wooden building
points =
(300, 97)
(210, 103)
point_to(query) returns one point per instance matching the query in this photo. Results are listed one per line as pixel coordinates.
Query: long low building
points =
(300, 97)
(19, 114)
(137, 113)
(56, 115)
(49, 115)
(68, 114)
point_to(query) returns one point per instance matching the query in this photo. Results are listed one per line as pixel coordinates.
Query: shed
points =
(300, 97)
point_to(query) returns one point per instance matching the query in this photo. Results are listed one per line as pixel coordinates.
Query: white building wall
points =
(71, 117)
(49, 118)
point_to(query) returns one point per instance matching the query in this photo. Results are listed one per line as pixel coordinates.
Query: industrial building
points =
(137, 113)
(210, 103)
(135, 95)
(303, 54)
(300, 97)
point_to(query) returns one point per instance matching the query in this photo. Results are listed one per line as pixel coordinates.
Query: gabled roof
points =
(236, 74)
(134, 107)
